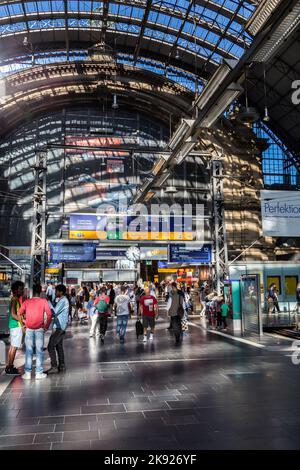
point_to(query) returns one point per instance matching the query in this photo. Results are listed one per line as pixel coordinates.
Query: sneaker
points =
(145, 339)
(12, 370)
(62, 368)
(53, 370)
(40, 375)
(151, 337)
(26, 376)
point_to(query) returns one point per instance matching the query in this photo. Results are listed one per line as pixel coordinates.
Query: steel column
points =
(38, 240)
(219, 231)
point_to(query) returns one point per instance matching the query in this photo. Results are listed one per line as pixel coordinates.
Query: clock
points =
(133, 253)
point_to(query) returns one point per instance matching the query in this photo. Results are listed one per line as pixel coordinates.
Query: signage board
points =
(154, 253)
(280, 212)
(110, 253)
(68, 252)
(183, 253)
(114, 227)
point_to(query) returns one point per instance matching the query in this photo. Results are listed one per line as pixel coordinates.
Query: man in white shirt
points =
(122, 308)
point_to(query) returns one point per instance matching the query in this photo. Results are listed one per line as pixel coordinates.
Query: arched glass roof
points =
(184, 38)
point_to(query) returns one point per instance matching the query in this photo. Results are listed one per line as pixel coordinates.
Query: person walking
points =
(102, 306)
(37, 314)
(149, 311)
(122, 308)
(175, 309)
(15, 326)
(93, 314)
(224, 313)
(112, 296)
(60, 323)
(272, 299)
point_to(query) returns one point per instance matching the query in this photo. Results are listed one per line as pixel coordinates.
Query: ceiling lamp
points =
(171, 190)
(177, 55)
(266, 117)
(115, 102)
(247, 115)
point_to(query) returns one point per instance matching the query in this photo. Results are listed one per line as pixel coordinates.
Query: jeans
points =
(34, 338)
(122, 321)
(56, 343)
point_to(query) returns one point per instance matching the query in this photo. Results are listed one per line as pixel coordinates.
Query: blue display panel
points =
(181, 253)
(67, 252)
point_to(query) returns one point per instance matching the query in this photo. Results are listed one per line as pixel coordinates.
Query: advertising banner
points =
(280, 212)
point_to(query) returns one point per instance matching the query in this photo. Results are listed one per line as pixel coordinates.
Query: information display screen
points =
(67, 252)
(182, 253)
(113, 227)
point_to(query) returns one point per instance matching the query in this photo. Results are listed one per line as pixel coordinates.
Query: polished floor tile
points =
(209, 393)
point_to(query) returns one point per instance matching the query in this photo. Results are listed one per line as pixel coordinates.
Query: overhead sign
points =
(67, 252)
(280, 213)
(114, 227)
(182, 253)
(154, 253)
(110, 253)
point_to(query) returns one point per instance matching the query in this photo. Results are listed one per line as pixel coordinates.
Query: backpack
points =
(102, 306)
(139, 329)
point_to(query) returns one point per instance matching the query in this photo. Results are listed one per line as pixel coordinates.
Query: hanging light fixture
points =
(115, 102)
(266, 117)
(247, 114)
(177, 55)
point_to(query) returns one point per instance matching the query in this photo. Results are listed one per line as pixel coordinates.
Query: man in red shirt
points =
(38, 317)
(149, 311)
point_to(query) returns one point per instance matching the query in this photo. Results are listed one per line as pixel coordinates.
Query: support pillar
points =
(38, 240)
(220, 272)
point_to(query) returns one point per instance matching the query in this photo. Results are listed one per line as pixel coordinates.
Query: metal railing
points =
(288, 315)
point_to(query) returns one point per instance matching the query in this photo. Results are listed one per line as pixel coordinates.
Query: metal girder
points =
(174, 47)
(233, 17)
(104, 20)
(38, 240)
(122, 19)
(96, 16)
(142, 30)
(159, 7)
(219, 230)
(67, 29)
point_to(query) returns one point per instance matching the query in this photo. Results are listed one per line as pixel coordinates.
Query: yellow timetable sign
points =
(52, 270)
(148, 236)
(167, 270)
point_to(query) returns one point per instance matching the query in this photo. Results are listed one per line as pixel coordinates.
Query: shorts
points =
(16, 336)
(148, 321)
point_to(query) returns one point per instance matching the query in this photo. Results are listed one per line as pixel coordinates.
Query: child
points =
(82, 313)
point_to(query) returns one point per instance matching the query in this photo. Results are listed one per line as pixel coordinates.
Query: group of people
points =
(32, 317)
(56, 305)
(99, 302)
